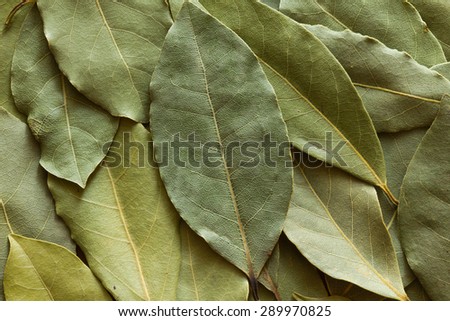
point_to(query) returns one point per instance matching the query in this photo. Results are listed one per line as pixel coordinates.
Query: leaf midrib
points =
(69, 130)
(106, 24)
(34, 269)
(395, 92)
(358, 154)
(251, 273)
(363, 259)
(128, 234)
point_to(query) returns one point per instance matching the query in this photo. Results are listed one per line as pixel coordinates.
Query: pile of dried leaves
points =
(225, 150)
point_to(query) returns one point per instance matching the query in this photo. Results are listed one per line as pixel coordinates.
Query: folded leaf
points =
(399, 93)
(72, 131)
(395, 23)
(26, 205)
(425, 206)
(323, 112)
(436, 13)
(335, 221)
(230, 190)
(287, 271)
(124, 222)
(8, 37)
(108, 49)
(205, 275)
(43, 271)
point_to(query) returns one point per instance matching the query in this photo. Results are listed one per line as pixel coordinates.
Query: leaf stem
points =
(254, 287)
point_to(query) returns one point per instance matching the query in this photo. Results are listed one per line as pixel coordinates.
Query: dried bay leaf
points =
(424, 208)
(287, 271)
(395, 23)
(436, 13)
(443, 69)
(124, 222)
(205, 275)
(44, 271)
(335, 221)
(8, 37)
(399, 93)
(238, 209)
(72, 131)
(323, 112)
(108, 49)
(416, 292)
(26, 205)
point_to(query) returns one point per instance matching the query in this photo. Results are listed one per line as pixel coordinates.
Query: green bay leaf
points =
(72, 131)
(44, 271)
(335, 221)
(443, 69)
(108, 49)
(123, 220)
(288, 272)
(324, 114)
(436, 13)
(26, 205)
(424, 208)
(205, 275)
(399, 93)
(395, 23)
(217, 94)
(8, 37)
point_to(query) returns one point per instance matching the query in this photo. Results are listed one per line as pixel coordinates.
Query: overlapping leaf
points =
(124, 221)
(399, 93)
(72, 131)
(335, 221)
(425, 206)
(26, 206)
(443, 69)
(108, 49)
(323, 112)
(43, 271)
(8, 37)
(205, 275)
(287, 272)
(216, 93)
(416, 292)
(396, 23)
(436, 13)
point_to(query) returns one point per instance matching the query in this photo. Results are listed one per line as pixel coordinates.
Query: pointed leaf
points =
(26, 205)
(124, 222)
(399, 93)
(425, 206)
(335, 221)
(8, 37)
(287, 271)
(44, 271)
(108, 49)
(395, 23)
(72, 131)
(436, 13)
(217, 94)
(205, 275)
(323, 112)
